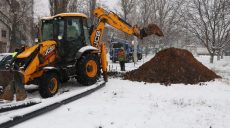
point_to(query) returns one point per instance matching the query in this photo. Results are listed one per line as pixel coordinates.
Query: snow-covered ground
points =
(126, 104)
(67, 90)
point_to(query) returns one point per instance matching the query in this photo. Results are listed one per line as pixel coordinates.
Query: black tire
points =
(88, 69)
(49, 84)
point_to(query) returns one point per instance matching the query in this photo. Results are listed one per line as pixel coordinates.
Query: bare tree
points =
(58, 6)
(17, 16)
(81, 6)
(167, 16)
(127, 6)
(145, 8)
(209, 21)
(73, 6)
(92, 8)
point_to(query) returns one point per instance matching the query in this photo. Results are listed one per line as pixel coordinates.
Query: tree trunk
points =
(13, 40)
(211, 57)
(58, 6)
(92, 8)
(222, 54)
(218, 55)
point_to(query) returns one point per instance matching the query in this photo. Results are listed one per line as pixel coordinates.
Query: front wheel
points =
(88, 69)
(49, 85)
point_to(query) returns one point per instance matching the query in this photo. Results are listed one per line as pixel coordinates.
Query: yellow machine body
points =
(33, 61)
(34, 69)
(47, 50)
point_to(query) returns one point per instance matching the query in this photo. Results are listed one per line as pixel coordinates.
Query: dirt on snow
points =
(172, 65)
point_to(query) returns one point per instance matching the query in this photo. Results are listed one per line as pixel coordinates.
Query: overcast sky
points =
(112, 4)
(41, 7)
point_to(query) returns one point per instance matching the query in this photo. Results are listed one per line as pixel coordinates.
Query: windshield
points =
(47, 30)
(51, 29)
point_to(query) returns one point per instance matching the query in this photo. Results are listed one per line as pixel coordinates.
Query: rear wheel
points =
(88, 69)
(49, 85)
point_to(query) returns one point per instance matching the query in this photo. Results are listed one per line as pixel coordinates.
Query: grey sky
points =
(112, 4)
(41, 8)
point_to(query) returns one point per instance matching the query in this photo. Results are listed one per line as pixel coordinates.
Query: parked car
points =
(4, 59)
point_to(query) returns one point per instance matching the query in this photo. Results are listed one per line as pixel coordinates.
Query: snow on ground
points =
(122, 104)
(67, 90)
(126, 104)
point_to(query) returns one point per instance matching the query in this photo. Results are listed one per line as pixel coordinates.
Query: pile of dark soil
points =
(172, 65)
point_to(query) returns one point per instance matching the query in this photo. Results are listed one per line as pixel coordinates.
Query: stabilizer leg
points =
(19, 87)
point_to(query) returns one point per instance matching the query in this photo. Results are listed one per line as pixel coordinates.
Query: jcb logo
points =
(49, 50)
(97, 38)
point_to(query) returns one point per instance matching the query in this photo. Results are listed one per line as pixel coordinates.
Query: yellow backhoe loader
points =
(67, 48)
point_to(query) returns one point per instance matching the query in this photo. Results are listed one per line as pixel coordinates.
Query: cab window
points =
(86, 31)
(47, 30)
(61, 24)
(73, 29)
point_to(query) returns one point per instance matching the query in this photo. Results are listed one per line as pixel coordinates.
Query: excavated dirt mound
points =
(172, 65)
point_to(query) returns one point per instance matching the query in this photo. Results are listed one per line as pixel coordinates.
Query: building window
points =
(4, 33)
(2, 47)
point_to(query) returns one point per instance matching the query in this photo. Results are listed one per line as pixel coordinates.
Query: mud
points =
(115, 74)
(172, 65)
(153, 29)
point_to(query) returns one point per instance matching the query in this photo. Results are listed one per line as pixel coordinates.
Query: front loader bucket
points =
(150, 30)
(10, 83)
(6, 84)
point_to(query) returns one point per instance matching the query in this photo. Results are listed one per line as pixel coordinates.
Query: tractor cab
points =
(69, 31)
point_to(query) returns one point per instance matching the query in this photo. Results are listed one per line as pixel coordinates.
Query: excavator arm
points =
(114, 20)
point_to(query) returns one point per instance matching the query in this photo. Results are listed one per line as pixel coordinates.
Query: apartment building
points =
(23, 29)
